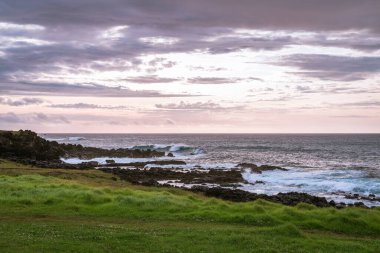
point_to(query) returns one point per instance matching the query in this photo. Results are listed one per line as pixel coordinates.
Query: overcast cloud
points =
(167, 56)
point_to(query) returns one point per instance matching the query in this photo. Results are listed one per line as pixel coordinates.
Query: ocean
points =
(328, 165)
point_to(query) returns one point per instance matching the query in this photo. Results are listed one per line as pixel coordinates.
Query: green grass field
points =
(55, 210)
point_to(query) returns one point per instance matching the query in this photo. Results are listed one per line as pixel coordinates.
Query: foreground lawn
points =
(46, 210)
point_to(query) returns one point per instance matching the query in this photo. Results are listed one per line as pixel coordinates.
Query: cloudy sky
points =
(253, 66)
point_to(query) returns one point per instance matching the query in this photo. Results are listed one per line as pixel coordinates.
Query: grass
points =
(53, 210)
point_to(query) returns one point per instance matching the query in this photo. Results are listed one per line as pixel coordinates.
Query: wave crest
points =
(179, 148)
(71, 138)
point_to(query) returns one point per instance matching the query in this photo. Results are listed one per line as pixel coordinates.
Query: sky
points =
(167, 66)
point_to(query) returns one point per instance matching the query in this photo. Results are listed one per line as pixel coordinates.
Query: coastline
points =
(158, 168)
(65, 210)
(155, 167)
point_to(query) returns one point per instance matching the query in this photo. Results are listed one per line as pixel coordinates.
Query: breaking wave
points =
(69, 139)
(76, 138)
(313, 181)
(180, 148)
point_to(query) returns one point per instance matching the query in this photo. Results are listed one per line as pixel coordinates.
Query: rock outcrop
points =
(204, 182)
(143, 164)
(143, 176)
(289, 198)
(259, 169)
(27, 146)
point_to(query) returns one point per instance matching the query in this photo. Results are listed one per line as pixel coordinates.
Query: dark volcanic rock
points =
(293, 198)
(259, 169)
(226, 194)
(27, 146)
(167, 162)
(216, 176)
(92, 152)
(149, 182)
(290, 198)
(188, 177)
(370, 197)
(90, 164)
(230, 185)
(143, 164)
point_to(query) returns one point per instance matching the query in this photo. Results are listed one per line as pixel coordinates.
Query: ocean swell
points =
(181, 149)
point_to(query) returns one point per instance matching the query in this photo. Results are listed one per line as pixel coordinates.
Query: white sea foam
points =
(206, 166)
(76, 138)
(102, 160)
(178, 148)
(197, 151)
(55, 139)
(312, 181)
(178, 184)
(69, 139)
(150, 146)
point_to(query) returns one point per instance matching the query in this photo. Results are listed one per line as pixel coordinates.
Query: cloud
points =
(359, 40)
(330, 67)
(170, 122)
(51, 54)
(235, 42)
(277, 99)
(159, 63)
(64, 38)
(220, 80)
(214, 69)
(10, 117)
(32, 118)
(203, 106)
(21, 102)
(150, 79)
(304, 89)
(362, 104)
(123, 48)
(212, 80)
(355, 116)
(335, 89)
(89, 90)
(284, 14)
(88, 106)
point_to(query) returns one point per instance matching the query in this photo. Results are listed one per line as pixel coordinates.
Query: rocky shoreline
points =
(202, 180)
(218, 183)
(153, 175)
(27, 147)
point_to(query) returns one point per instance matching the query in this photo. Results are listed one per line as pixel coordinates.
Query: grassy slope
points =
(43, 210)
